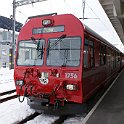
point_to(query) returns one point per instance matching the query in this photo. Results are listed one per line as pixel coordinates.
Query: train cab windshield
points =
(30, 53)
(65, 52)
(60, 52)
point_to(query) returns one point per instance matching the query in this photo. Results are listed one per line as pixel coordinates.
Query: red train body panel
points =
(60, 63)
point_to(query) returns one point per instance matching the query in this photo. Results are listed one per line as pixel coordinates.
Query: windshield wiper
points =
(57, 41)
(65, 58)
(39, 47)
(36, 42)
(41, 52)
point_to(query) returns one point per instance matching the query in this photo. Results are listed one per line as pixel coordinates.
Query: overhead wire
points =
(96, 15)
(73, 13)
(39, 9)
(19, 11)
(22, 13)
(69, 7)
(99, 18)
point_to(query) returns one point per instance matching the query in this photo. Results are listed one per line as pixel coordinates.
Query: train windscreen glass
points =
(64, 52)
(30, 52)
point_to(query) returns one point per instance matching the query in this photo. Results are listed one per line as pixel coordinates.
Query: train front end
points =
(48, 64)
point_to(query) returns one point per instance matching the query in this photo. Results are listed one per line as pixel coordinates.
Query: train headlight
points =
(19, 82)
(47, 22)
(71, 87)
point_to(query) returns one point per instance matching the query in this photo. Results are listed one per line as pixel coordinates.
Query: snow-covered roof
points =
(6, 23)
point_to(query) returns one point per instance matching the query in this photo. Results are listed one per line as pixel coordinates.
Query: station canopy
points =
(115, 12)
(7, 23)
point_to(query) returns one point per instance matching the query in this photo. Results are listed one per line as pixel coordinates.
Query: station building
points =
(6, 47)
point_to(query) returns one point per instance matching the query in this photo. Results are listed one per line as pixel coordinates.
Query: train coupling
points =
(57, 104)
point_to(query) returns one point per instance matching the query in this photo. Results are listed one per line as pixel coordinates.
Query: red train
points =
(60, 63)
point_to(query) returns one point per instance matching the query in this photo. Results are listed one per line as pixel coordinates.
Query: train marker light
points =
(47, 22)
(19, 82)
(71, 87)
(57, 75)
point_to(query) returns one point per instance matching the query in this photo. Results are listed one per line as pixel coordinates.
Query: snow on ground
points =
(6, 80)
(74, 120)
(13, 111)
(43, 119)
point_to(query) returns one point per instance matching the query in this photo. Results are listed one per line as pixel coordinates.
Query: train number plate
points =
(70, 75)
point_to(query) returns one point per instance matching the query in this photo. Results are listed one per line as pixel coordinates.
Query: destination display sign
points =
(44, 30)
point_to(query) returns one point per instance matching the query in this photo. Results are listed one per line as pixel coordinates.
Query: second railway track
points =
(60, 120)
(10, 95)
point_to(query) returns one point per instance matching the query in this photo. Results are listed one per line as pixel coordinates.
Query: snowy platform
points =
(6, 80)
(111, 108)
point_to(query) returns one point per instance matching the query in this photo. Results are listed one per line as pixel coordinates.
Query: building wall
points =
(5, 46)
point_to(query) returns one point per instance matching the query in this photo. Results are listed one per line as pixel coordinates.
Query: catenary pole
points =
(83, 4)
(15, 5)
(13, 34)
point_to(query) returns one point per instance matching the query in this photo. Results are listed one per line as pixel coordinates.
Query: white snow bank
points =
(6, 80)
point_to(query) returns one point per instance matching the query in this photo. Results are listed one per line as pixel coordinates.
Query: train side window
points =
(114, 60)
(109, 57)
(103, 55)
(91, 54)
(86, 53)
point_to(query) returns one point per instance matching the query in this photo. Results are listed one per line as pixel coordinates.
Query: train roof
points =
(89, 30)
(86, 28)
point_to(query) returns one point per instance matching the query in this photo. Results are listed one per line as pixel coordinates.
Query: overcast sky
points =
(97, 21)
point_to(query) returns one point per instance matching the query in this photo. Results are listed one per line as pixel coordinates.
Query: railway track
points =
(33, 116)
(7, 92)
(60, 120)
(5, 98)
(28, 118)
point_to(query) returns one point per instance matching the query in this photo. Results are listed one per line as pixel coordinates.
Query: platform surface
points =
(111, 108)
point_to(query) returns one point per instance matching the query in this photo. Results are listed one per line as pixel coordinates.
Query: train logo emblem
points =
(44, 78)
